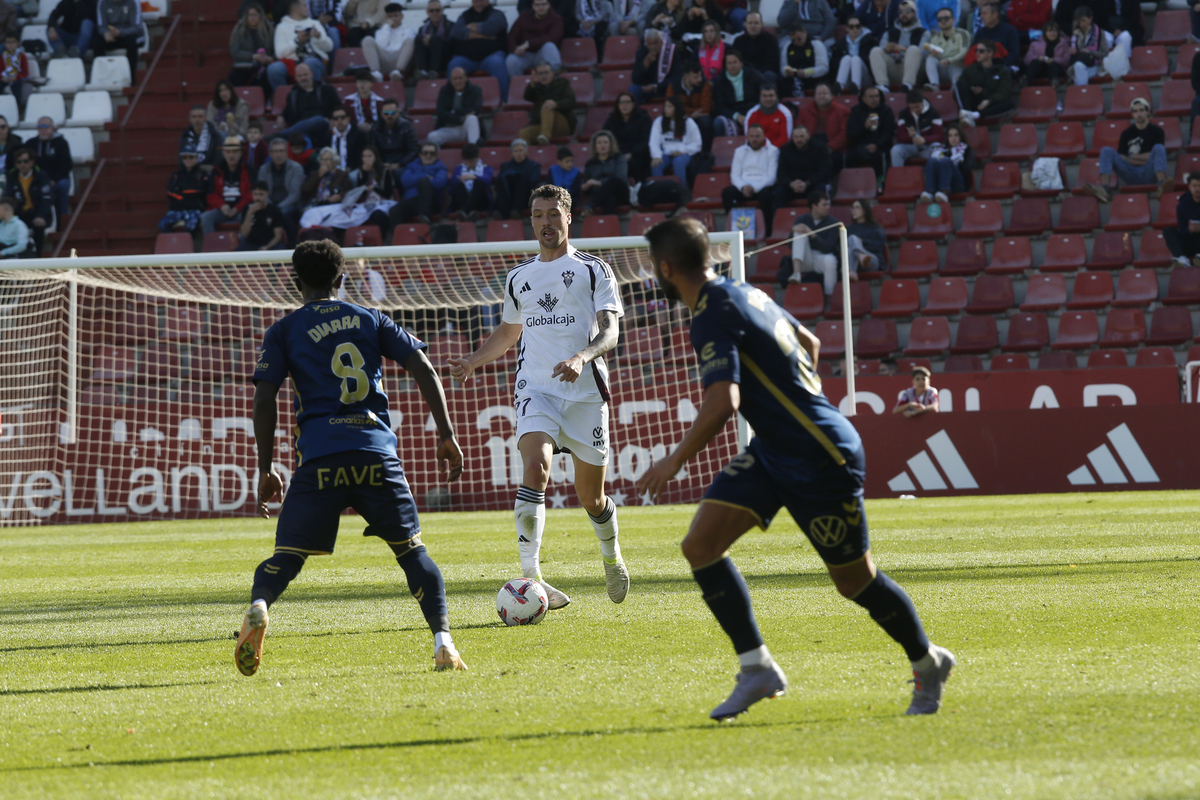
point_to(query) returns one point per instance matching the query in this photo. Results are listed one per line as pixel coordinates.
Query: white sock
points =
(530, 512)
(758, 657)
(926, 662)
(605, 526)
(441, 640)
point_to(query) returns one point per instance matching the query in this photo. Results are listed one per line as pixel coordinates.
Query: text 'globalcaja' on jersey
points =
(333, 351)
(741, 335)
(555, 303)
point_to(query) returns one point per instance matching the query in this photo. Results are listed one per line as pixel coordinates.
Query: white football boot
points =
(557, 599)
(753, 684)
(929, 683)
(616, 578)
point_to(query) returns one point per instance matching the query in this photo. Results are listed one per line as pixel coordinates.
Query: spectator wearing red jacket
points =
(1029, 15)
(776, 120)
(826, 122)
(230, 188)
(917, 130)
(14, 66)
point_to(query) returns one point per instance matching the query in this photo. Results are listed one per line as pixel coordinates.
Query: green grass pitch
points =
(1073, 618)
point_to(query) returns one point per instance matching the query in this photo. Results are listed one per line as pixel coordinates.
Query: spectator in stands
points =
(735, 92)
(255, 151)
(752, 178)
(228, 111)
(34, 193)
(299, 39)
(390, 49)
(459, 106)
(362, 285)
(592, 19)
(309, 106)
(631, 127)
(822, 251)
(424, 179)
(1003, 35)
(1028, 17)
(696, 94)
(53, 155)
(564, 173)
(378, 190)
(1119, 17)
(710, 50)
(362, 18)
(202, 137)
(986, 87)
(326, 12)
(656, 64)
(1184, 239)
(518, 177)
(119, 26)
(1140, 157)
(804, 166)
(346, 140)
(326, 186)
(1049, 57)
(252, 45)
(878, 15)
(695, 14)
(14, 67)
(553, 112)
(470, 185)
(814, 16)
(14, 234)
(661, 16)
(848, 58)
(945, 50)
(71, 27)
(605, 176)
(870, 131)
(301, 150)
(480, 35)
(624, 19)
(535, 37)
(364, 105)
(284, 178)
(917, 130)
(948, 170)
(10, 18)
(674, 139)
(759, 48)
(927, 12)
(1089, 46)
(229, 188)
(898, 57)
(805, 61)
(187, 193)
(866, 239)
(826, 122)
(262, 221)
(920, 398)
(394, 138)
(10, 141)
(432, 45)
(773, 118)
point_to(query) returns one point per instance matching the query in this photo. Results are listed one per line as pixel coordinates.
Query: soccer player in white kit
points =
(563, 306)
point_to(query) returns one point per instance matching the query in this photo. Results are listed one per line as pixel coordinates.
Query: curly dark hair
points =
(318, 263)
(548, 191)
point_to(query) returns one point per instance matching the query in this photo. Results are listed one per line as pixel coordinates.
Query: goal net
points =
(127, 389)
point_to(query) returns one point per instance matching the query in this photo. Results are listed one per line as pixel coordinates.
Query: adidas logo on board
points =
(1106, 465)
(922, 466)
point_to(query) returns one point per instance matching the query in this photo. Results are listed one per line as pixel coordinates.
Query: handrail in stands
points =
(162, 48)
(87, 191)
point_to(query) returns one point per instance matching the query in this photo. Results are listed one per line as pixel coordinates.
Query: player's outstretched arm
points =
(449, 454)
(504, 337)
(604, 340)
(810, 343)
(266, 416)
(721, 399)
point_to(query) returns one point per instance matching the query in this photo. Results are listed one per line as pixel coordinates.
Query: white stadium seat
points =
(110, 73)
(45, 104)
(65, 75)
(35, 32)
(83, 146)
(45, 7)
(91, 109)
(8, 110)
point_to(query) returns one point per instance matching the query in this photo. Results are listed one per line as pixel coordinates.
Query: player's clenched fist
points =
(450, 460)
(461, 369)
(270, 490)
(569, 370)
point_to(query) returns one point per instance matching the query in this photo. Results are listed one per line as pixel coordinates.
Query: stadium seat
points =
(1170, 27)
(612, 85)
(893, 219)
(1064, 140)
(411, 233)
(279, 100)
(363, 236)
(504, 230)
(593, 121)
(183, 323)
(860, 300)
(1183, 63)
(1185, 164)
(1027, 332)
(1011, 255)
(619, 52)
(832, 335)
(1077, 330)
(1107, 358)
(896, 102)
(1106, 133)
(723, 148)
(1183, 287)
(1017, 143)
(947, 296)
(1089, 172)
(784, 219)
(1129, 212)
(1146, 64)
(1176, 99)
(90, 109)
(1064, 254)
(1124, 327)
(1124, 94)
(976, 335)
(916, 260)
(1166, 211)
(1136, 288)
(981, 219)
(1152, 251)
(1036, 104)
(1078, 215)
(962, 363)
(253, 95)
(506, 125)
(1007, 362)
(856, 183)
(1060, 359)
(964, 257)
(1155, 357)
(173, 243)
(44, 104)
(111, 73)
(1045, 293)
(424, 98)
(993, 294)
(928, 226)
(1092, 290)
(583, 83)
(601, 225)
(902, 185)
(706, 191)
(114, 364)
(804, 300)
(1082, 104)
(578, 55)
(1111, 251)
(898, 298)
(516, 93)
(877, 338)
(945, 103)
(345, 59)
(760, 227)
(82, 144)
(219, 242)
(1000, 180)
(641, 222)
(928, 336)
(705, 218)
(65, 75)
(1170, 325)
(9, 110)
(1029, 216)
(643, 345)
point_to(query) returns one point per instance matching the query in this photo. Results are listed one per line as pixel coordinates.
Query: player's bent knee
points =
(401, 549)
(700, 553)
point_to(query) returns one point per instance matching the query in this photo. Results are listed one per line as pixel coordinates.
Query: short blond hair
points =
(548, 191)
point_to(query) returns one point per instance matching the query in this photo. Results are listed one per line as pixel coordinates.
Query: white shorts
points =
(581, 428)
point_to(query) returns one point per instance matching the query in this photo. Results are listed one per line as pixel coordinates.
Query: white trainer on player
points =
(557, 599)
(929, 683)
(616, 578)
(753, 684)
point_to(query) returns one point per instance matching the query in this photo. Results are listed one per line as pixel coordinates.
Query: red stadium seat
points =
(343, 59)
(916, 260)
(1155, 357)
(516, 93)
(785, 218)
(1036, 104)
(1111, 251)
(1000, 180)
(641, 222)
(962, 363)
(601, 225)
(1184, 287)
(1147, 64)
(1176, 99)
(1152, 251)
(114, 364)
(946, 296)
(945, 103)
(707, 188)
(363, 236)
(254, 97)
(1183, 64)
(903, 185)
(1077, 330)
(1058, 360)
(993, 295)
(893, 219)
(1027, 333)
(583, 83)
(980, 141)
(896, 102)
(1092, 290)
(965, 257)
(1106, 133)
(1017, 143)
(424, 98)
(643, 345)
(928, 226)
(173, 243)
(1107, 358)
(592, 122)
(1124, 94)
(705, 218)
(860, 300)
(1089, 173)
(612, 85)
(504, 230)
(1129, 212)
(279, 99)
(423, 125)
(1136, 288)
(723, 148)
(1124, 327)
(898, 298)
(1078, 215)
(582, 151)
(877, 338)
(219, 242)
(1010, 255)
(1064, 140)
(1166, 210)
(765, 271)
(1170, 27)
(1029, 216)
(183, 323)
(804, 300)
(856, 183)
(578, 54)
(619, 52)
(981, 219)
(411, 233)
(1007, 362)
(1170, 325)
(506, 126)
(1045, 293)
(1064, 254)
(976, 335)
(928, 336)
(832, 335)
(1082, 104)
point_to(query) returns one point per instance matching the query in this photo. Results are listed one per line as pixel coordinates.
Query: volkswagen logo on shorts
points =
(827, 531)
(521, 384)
(598, 432)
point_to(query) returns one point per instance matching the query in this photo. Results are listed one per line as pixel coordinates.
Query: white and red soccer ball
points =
(522, 602)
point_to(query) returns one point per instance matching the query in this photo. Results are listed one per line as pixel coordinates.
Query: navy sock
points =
(274, 575)
(728, 598)
(425, 583)
(893, 610)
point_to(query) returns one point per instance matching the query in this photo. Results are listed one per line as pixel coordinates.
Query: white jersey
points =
(555, 303)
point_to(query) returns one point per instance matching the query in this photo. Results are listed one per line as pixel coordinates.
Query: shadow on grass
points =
(104, 688)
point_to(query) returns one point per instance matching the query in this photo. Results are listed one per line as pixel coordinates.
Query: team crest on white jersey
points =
(548, 303)
(568, 276)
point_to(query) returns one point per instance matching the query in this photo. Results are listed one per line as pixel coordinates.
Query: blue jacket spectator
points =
(876, 20)
(423, 180)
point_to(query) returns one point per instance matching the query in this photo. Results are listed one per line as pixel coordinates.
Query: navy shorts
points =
(373, 484)
(824, 499)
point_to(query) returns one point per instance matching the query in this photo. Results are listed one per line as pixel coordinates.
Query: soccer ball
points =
(522, 602)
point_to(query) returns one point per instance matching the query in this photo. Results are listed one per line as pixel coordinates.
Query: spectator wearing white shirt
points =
(674, 139)
(920, 399)
(753, 175)
(392, 46)
(300, 39)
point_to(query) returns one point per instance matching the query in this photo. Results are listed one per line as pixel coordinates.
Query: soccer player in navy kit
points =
(756, 358)
(345, 449)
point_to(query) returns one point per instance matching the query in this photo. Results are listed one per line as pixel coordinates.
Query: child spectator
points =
(364, 105)
(14, 234)
(919, 399)
(14, 67)
(256, 151)
(188, 193)
(301, 150)
(565, 173)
